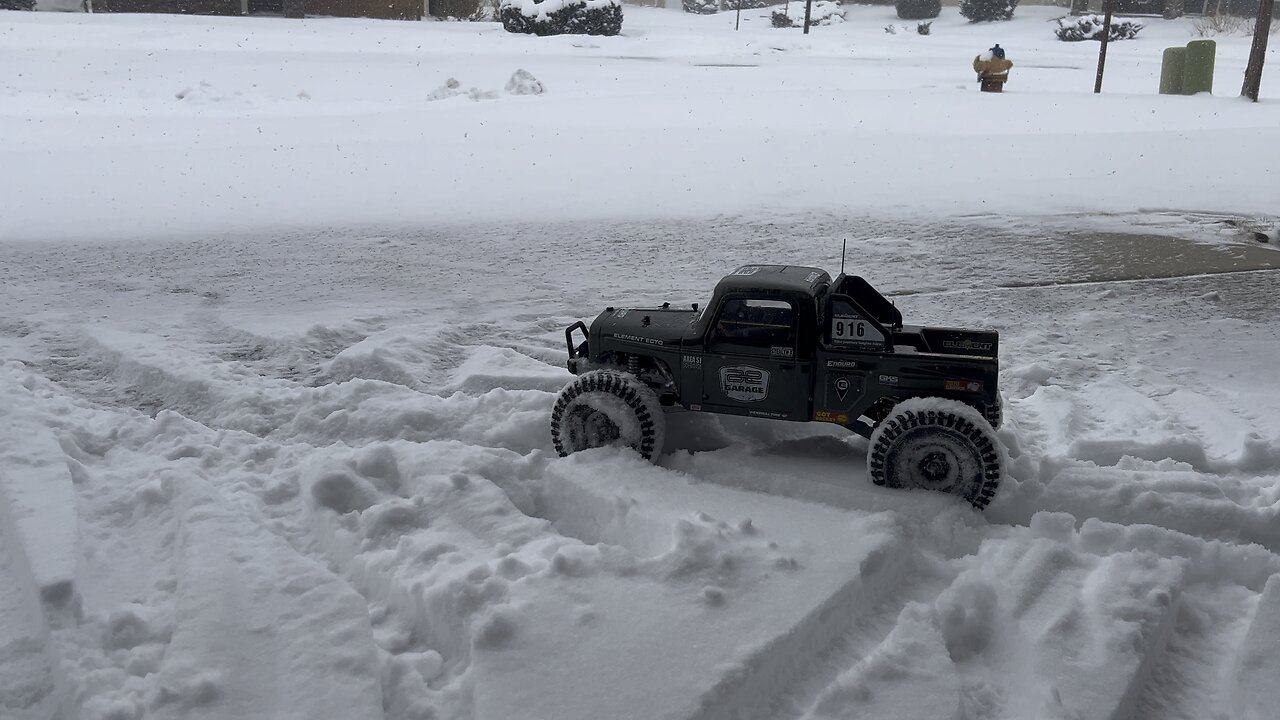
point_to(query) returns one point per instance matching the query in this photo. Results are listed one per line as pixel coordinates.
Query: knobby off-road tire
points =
(940, 445)
(606, 407)
(994, 413)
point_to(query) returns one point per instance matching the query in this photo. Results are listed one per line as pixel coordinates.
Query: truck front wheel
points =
(936, 444)
(606, 407)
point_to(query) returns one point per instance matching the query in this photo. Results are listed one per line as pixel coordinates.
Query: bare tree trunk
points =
(1253, 71)
(1102, 49)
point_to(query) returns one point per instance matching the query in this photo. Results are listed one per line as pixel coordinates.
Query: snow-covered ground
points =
(254, 472)
(173, 125)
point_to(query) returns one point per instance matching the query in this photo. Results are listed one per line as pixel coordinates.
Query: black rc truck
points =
(791, 343)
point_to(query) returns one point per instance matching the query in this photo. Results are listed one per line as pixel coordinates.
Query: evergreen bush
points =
(701, 7)
(988, 10)
(1089, 27)
(918, 9)
(562, 17)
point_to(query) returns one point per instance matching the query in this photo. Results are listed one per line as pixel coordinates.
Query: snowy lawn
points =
(279, 337)
(160, 125)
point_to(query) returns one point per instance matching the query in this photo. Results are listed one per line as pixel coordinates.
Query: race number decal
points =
(854, 330)
(744, 383)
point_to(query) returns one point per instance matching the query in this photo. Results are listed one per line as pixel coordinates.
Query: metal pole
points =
(808, 7)
(737, 17)
(1102, 50)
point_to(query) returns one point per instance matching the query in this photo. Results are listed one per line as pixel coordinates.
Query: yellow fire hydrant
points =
(992, 68)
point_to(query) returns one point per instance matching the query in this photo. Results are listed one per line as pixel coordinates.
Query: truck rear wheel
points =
(606, 407)
(940, 445)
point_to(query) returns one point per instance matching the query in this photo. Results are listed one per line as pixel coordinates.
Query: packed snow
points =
(281, 326)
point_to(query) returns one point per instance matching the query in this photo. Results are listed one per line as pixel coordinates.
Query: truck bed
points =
(947, 341)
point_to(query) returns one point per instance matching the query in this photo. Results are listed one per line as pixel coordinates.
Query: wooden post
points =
(808, 7)
(1258, 53)
(1102, 50)
(737, 17)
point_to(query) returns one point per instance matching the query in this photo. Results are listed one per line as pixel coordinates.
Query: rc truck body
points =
(792, 343)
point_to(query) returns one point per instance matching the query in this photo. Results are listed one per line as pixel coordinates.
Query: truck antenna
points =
(843, 246)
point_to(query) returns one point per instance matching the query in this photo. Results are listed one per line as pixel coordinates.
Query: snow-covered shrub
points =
(701, 7)
(823, 12)
(918, 9)
(17, 4)
(988, 10)
(924, 28)
(562, 17)
(1089, 27)
(523, 82)
(1217, 21)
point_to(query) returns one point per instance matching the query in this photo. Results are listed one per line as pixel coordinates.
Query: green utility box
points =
(1188, 70)
(1171, 70)
(1197, 72)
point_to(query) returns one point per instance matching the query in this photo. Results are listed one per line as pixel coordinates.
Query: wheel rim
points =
(590, 428)
(934, 459)
(935, 467)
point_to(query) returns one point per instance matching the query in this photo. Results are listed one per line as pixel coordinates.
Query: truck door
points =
(751, 366)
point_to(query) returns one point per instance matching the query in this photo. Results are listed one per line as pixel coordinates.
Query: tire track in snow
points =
(866, 629)
(297, 357)
(1191, 679)
(254, 617)
(150, 374)
(185, 590)
(244, 577)
(31, 684)
(409, 634)
(218, 618)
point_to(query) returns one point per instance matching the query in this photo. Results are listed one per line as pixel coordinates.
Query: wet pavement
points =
(572, 266)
